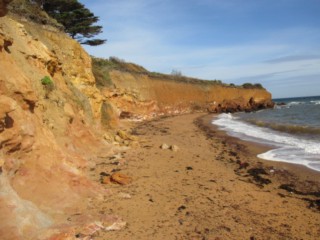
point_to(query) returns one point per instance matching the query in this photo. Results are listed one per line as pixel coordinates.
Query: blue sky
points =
(273, 42)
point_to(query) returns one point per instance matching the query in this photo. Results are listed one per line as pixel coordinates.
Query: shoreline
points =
(256, 148)
(212, 187)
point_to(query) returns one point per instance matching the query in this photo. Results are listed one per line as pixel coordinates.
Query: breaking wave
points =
(294, 129)
(288, 148)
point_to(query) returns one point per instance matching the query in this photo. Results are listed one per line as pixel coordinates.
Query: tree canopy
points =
(78, 21)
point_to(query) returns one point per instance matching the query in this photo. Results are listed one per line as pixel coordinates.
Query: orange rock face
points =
(47, 138)
(139, 96)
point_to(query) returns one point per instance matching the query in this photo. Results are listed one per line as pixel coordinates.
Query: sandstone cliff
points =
(51, 136)
(48, 136)
(136, 93)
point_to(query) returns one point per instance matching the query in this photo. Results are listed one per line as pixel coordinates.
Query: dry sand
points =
(212, 187)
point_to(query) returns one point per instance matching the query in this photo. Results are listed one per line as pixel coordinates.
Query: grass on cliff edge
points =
(101, 68)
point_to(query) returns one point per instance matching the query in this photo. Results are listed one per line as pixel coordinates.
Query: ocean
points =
(292, 129)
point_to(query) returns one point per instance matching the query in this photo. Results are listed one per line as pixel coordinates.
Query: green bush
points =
(48, 84)
(46, 81)
(252, 86)
(258, 85)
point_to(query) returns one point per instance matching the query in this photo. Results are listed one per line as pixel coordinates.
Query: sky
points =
(272, 42)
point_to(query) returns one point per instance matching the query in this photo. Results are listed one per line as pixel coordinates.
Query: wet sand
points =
(212, 187)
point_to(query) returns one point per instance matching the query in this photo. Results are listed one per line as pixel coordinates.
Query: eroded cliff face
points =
(48, 136)
(140, 96)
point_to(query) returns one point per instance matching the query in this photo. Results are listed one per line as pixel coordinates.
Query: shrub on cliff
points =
(259, 86)
(47, 83)
(252, 86)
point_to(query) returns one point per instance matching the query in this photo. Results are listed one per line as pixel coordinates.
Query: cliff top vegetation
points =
(102, 67)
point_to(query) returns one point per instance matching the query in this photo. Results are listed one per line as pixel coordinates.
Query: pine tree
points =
(77, 20)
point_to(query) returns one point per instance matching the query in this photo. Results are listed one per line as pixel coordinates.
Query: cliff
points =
(138, 94)
(51, 135)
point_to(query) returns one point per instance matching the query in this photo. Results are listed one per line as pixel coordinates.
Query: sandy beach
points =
(206, 185)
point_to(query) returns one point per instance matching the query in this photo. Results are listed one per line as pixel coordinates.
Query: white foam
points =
(291, 155)
(288, 147)
(295, 103)
(315, 102)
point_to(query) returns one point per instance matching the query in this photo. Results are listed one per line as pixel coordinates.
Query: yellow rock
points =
(118, 139)
(108, 137)
(123, 135)
(126, 136)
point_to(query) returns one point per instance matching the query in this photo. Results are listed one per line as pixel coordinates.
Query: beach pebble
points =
(125, 195)
(174, 148)
(116, 226)
(164, 146)
(182, 207)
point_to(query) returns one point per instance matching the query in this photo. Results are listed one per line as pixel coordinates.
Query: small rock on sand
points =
(116, 226)
(164, 146)
(125, 195)
(174, 148)
(121, 178)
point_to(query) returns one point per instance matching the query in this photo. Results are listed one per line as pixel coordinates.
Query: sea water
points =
(291, 128)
